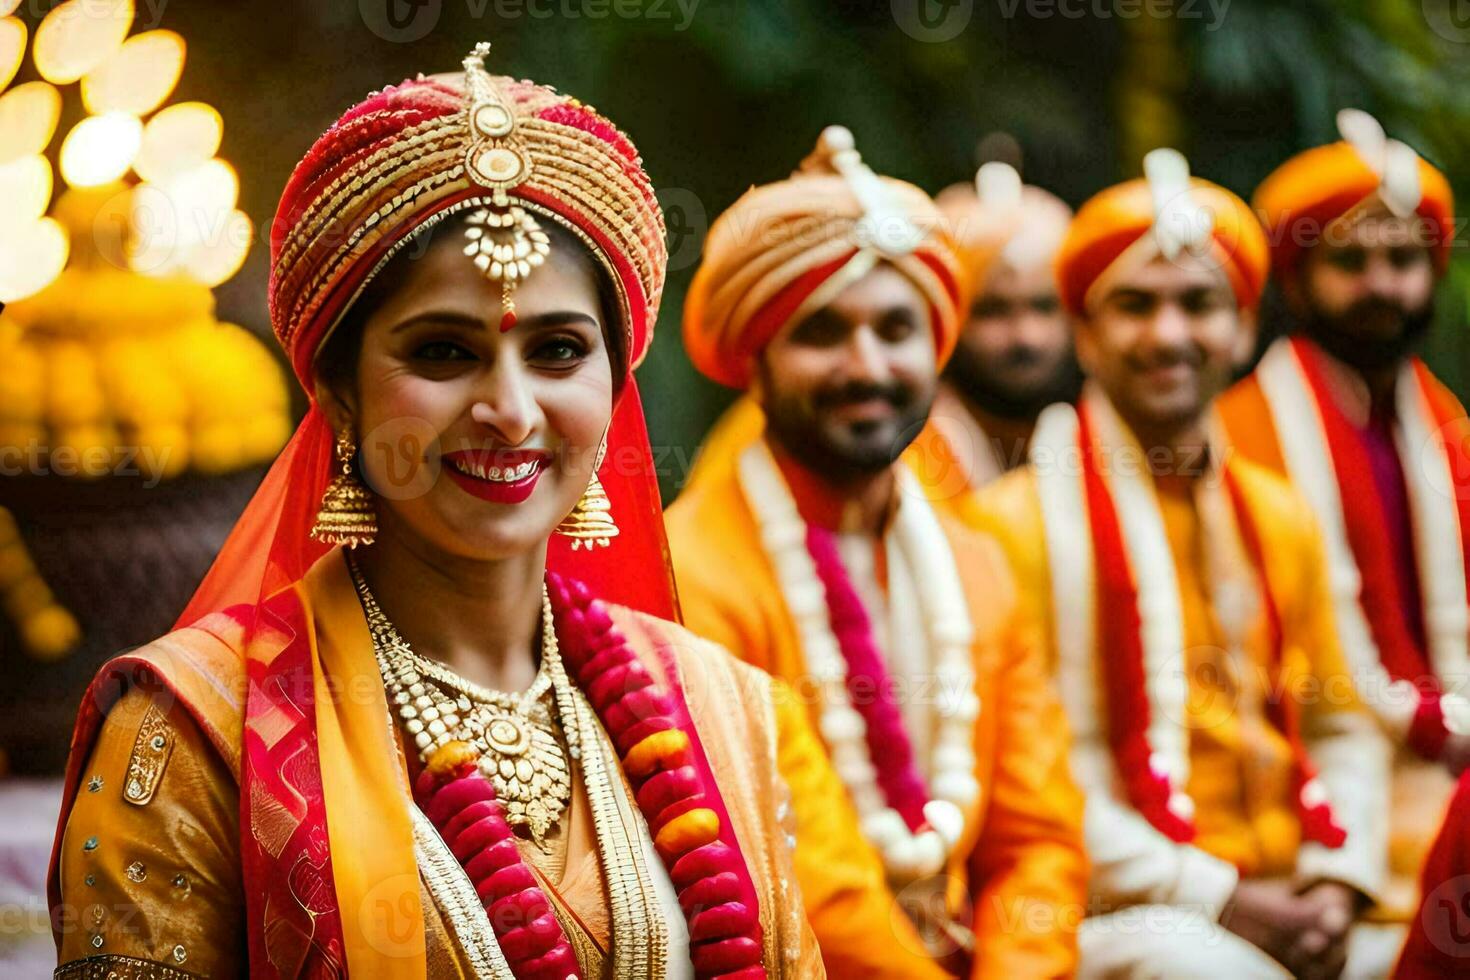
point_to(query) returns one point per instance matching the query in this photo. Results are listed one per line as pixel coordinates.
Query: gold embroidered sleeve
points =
(150, 867)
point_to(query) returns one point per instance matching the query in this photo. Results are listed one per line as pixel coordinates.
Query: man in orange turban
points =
(1360, 233)
(1230, 772)
(834, 296)
(1014, 355)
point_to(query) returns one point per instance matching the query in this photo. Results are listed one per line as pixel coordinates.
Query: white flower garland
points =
(949, 633)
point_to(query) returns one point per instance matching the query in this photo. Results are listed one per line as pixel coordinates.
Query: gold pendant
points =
(526, 763)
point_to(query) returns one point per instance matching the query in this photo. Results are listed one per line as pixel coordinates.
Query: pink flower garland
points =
(674, 789)
(869, 686)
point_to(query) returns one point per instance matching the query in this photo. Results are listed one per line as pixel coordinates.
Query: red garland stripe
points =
(1119, 631)
(1382, 604)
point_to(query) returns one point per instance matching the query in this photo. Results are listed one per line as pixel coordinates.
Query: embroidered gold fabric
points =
(155, 884)
(150, 754)
(109, 967)
(187, 838)
(640, 941)
(425, 164)
(455, 895)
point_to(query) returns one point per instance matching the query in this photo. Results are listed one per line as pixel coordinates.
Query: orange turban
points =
(1163, 213)
(1301, 199)
(784, 250)
(997, 219)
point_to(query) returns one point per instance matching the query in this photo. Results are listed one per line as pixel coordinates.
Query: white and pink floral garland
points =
(878, 772)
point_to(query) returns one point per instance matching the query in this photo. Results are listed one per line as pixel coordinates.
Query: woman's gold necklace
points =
(515, 734)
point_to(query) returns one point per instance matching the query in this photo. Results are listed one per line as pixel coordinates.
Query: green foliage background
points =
(738, 92)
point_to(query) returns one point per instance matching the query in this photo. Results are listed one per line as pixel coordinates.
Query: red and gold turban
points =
(998, 220)
(395, 164)
(1302, 200)
(411, 155)
(784, 250)
(1165, 213)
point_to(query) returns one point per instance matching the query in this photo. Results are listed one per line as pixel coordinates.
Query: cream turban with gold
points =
(785, 250)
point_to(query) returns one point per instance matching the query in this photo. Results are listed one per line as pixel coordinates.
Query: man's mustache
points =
(1021, 356)
(897, 395)
(1375, 308)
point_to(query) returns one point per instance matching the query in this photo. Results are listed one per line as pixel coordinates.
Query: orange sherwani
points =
(1239, 764)
(1019, 865)
(166, 872)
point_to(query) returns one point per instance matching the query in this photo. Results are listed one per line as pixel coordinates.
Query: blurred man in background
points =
(1231, 774)
(811, 551)
(1360, 235)
(1014, 355)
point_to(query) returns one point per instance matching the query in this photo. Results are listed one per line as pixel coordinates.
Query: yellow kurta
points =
(1240, 765)
(1020, 860)
(167, 873)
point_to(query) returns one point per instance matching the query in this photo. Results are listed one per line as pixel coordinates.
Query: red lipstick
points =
(501, 476)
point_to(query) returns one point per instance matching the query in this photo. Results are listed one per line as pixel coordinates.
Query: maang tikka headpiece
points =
(504, 240)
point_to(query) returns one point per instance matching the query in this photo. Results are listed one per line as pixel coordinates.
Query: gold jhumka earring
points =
(590, 524)
(347, 515)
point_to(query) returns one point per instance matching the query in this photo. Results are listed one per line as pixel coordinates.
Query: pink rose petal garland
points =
(869, 686)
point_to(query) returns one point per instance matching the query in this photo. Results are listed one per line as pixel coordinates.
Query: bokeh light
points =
(12, 48)
(28, 115)
(189, 213)
(100, 149)
(138, 76)
(30, 258)
(79, 35)
(219, 257)
(177, 139)
(25, 191)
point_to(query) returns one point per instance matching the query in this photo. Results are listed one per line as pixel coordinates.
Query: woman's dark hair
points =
(336, 363)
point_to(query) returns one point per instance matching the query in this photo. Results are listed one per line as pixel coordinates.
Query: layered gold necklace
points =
(516, 735)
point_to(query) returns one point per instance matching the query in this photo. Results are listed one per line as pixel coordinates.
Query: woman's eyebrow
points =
(461, 319)
(558, 318)
(447, 317)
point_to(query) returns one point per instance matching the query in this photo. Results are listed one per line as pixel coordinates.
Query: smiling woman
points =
(510, 416)
(406, 727)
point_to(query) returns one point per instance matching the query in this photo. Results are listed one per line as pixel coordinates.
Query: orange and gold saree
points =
(323, 845)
